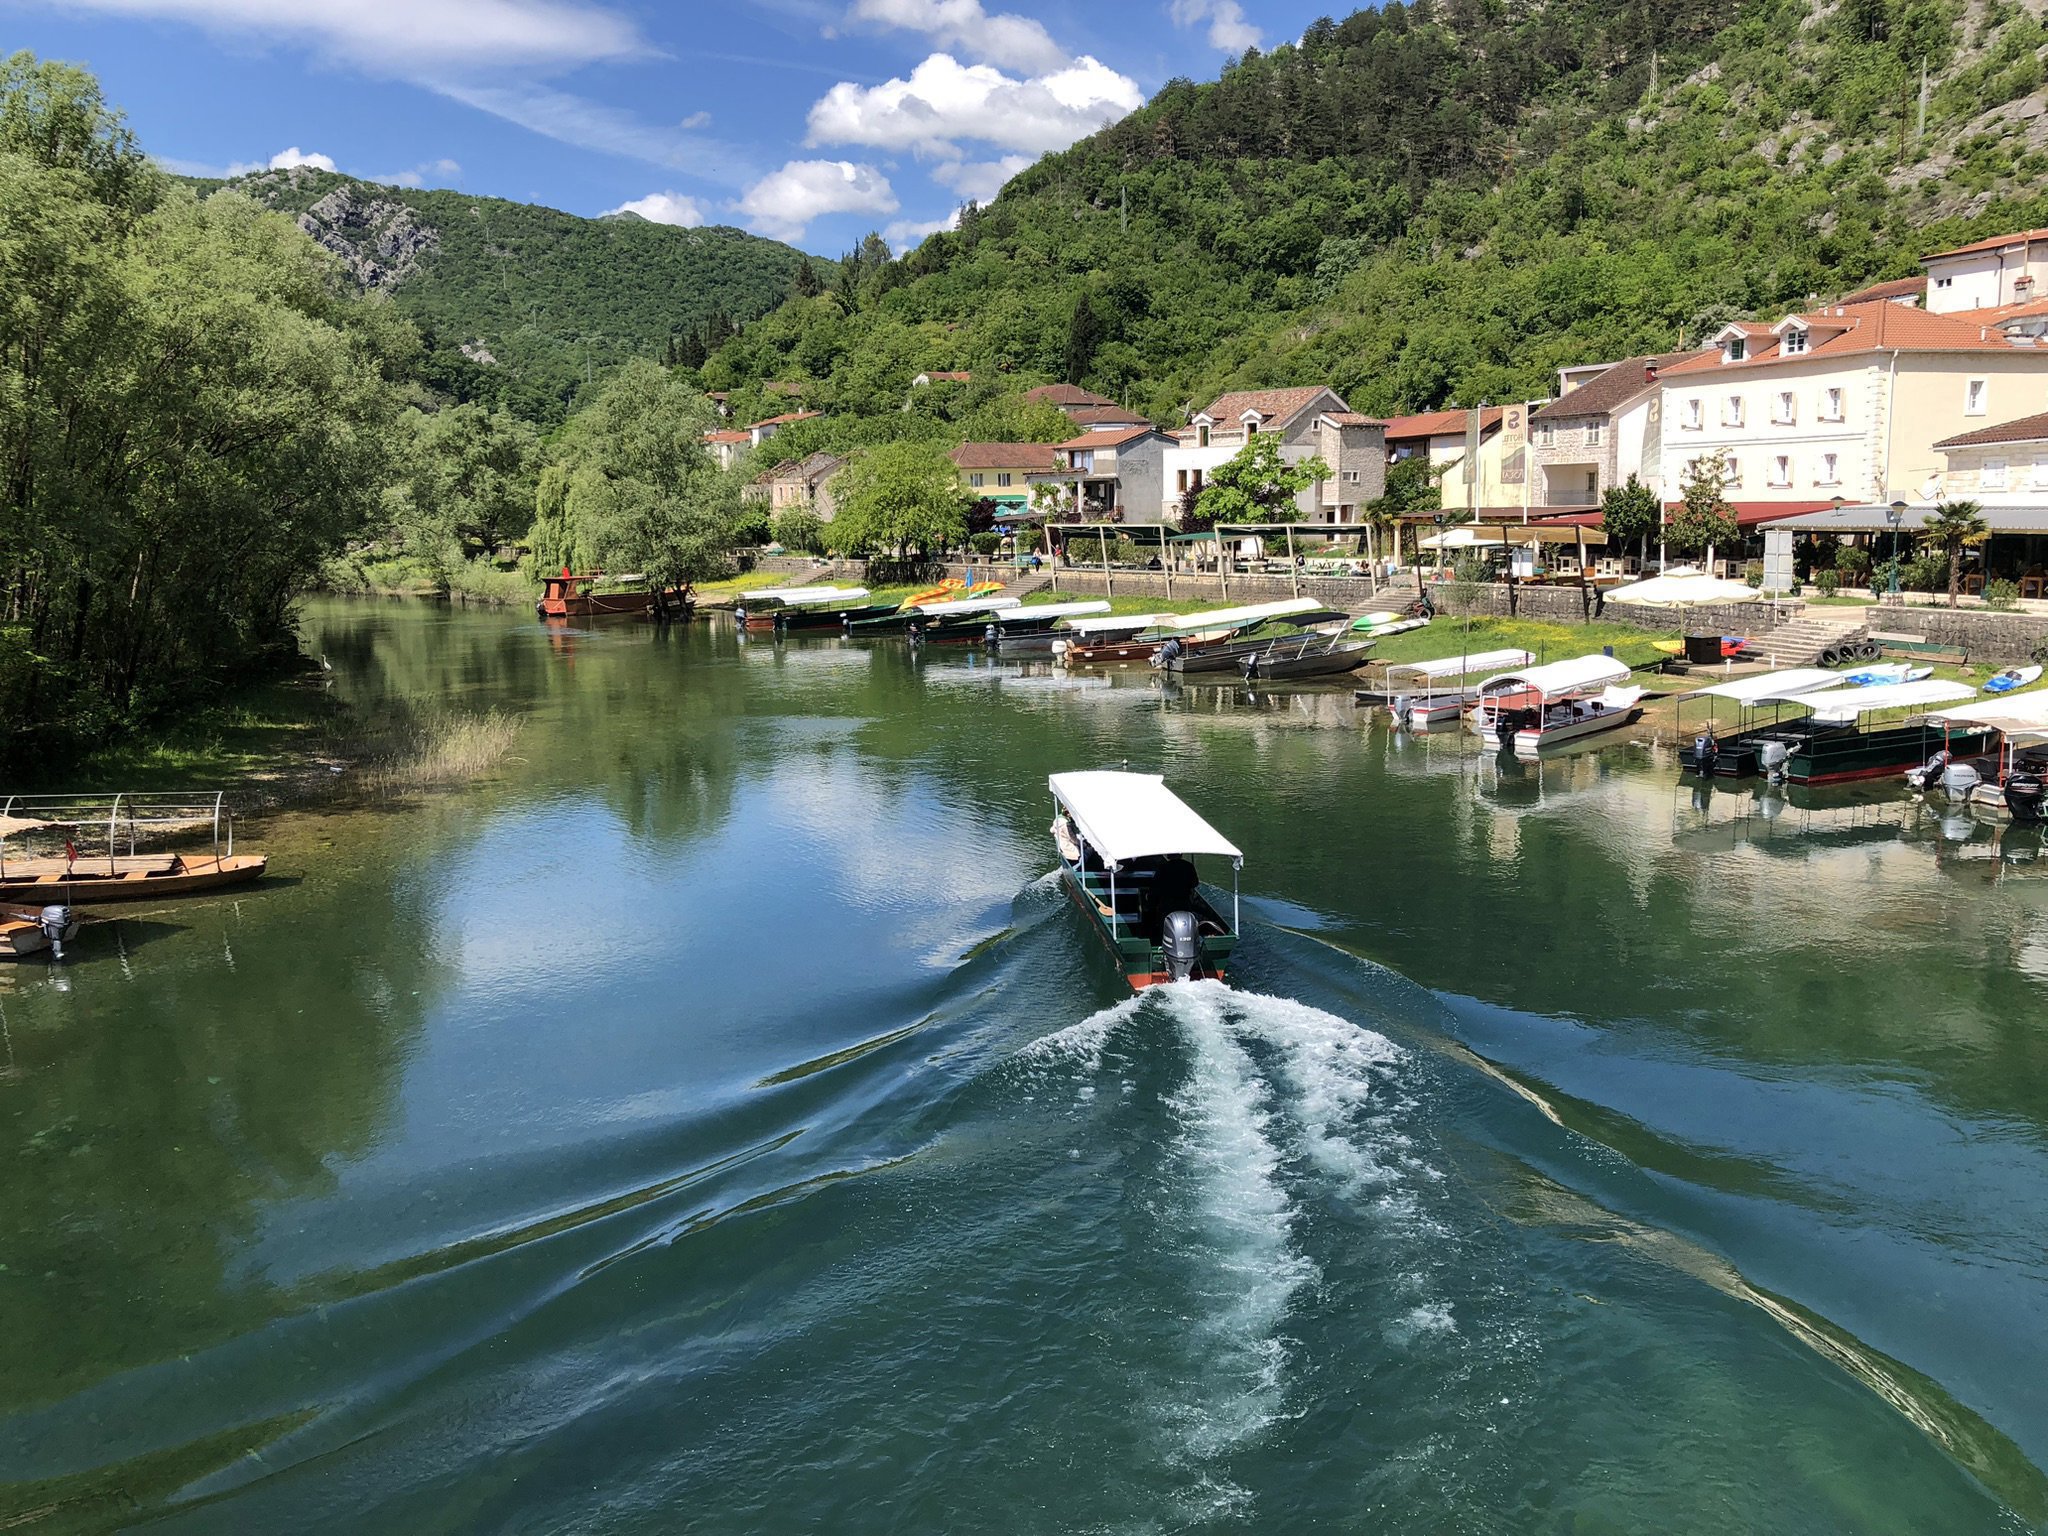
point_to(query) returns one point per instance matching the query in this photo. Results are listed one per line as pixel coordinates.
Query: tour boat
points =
(1540, 707)
(1032, 629)
(1126, 843)
(1083, 638)
(1424, 693)
(1317, 626)
(762, 608)
(1736, 756)
(1832, 744)
(574, 597)
(1307, 656)
(917, 622)
(2008, 776)
(78, 877)
(31, 930)
(1193, 631)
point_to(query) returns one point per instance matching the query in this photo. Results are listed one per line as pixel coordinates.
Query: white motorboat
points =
(1424, 693)
(1540, 707)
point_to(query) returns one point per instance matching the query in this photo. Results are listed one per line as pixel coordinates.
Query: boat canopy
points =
(970, 605)
(1561, 677)
(1851, 703)
(1036, 611)
(1123, 623)
(1772, 687)
(2028, 713)
(1462, 666)
(808, 597)
(1237, 618)
(1127, 816)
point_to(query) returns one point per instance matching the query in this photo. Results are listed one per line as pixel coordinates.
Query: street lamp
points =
(1895, 514)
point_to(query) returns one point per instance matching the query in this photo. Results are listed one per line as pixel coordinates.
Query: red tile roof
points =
(727, 437)
(1441, 423)
(1030, 457)
(1066, 395)
(1108, 439)
(1848, 329)
(784, 419)
(962, 376)
(1897, 288)
(1996, 242)
(1096, 415)
(1271, 404)
(2027, 429)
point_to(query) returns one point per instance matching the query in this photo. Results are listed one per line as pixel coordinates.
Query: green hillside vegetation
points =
(555, 299)
(1442, 202)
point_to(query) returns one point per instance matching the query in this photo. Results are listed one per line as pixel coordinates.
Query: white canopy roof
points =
(1684, 588)
(971, 605)
(1499, 535)
(1771, 687)
(1561, 677)
(1058, 610)
(1233, 618)
(1462, 666)
(1849, 703)
(2025, 713)
(1123, 623)
(1127, 816)
(782, 594)
(808, 596)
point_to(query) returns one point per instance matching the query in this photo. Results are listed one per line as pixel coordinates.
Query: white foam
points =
(1082, 1042)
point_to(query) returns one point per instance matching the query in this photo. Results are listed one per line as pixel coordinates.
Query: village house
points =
(1846, 402)
(1310, 422)
(727, 446)
(1604, 426)
(1441, 437)
(1113, 475)
(1002, 471)
(798, 485)
(1068, 397)
(1988, 274)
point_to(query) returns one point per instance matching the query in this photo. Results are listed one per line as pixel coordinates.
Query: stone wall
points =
(1984, 635)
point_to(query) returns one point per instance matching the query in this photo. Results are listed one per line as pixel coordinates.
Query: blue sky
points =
(810, 121)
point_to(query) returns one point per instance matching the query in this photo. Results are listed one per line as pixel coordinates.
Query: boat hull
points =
(1334, 662)
(597, 605)
(1137, 958)
(79, 887)
(1852, 755)
(1531, 742)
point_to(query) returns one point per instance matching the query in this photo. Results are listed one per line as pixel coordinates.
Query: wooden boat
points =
(1325, 624)
(916, 622)
(574, 597)
(772, 608)
(1310, 656)
(32, 930)
(1125, 843)
(1545, 706)
(1033, 628)
(1834, 745)
(1422, 693)
(114, 870)
(1195, 632)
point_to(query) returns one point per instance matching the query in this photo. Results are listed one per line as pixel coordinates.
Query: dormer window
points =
(1202, 436)
(1794, 341)
(1735, 349)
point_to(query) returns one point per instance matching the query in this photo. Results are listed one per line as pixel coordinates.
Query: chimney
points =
(1649, 373)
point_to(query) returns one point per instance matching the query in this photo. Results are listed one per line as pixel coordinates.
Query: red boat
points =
(571, 597)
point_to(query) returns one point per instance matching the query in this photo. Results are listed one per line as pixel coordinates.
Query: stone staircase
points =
(1799, 643)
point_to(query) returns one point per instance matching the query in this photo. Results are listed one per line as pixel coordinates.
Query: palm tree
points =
(1950, 528)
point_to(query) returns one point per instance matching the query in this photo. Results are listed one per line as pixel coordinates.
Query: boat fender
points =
(2023, 796)
(55, 923)
(1180, 941)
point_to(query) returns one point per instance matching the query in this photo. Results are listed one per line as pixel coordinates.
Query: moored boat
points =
(1192, 633)
(1735, 756)
(1126, 845)
(762, 608)
(86, 877)
(920, 622)
(567, 596)
(28, 930)
(1836, 742)
(1422, 693)
(2008, 775)
(1032, 628)
(1540, 707)
(1306, 657)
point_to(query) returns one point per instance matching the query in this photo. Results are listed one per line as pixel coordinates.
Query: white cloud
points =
(415, 37)
(1014, 42)
(664, 208)
(782, 204)
(944, 101)
(430, 172)
(907, 233)
(592, 125)
(1228, 30)
(978, 181)
(283, 160)
(695, 121)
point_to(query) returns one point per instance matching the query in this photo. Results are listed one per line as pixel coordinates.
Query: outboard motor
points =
(1505, 723)
(988, 635)
(1929, 773)
(55, 923)
(739, 614)
(1705, 752)
(1249, 665)
(2023, 796)
(1959, 779)
(1773, 756)
(1401, 704)
(1180, 941)
(846, 623)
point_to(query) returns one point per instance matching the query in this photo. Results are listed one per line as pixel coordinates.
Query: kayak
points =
(2012, 679)
(1884, 673)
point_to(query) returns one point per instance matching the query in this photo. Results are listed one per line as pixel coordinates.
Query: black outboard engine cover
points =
(55, 922)
(988, 635)
(1705, 750)
(1180, 941)
(2023, 795)
(1928, 774)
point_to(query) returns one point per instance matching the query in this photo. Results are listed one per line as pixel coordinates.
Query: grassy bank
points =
(1546, 641)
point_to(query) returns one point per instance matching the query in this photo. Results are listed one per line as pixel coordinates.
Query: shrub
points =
(1854, 564)
(986, 544)
(1471, 570)
(2002, 595)
(1926, 573)
(750, 525)
(800, 530)
(1829, 582)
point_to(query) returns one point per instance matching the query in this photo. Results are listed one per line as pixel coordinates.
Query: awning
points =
(1127, 816)
(1843, 704)
(2028, 712)
(1684, 589)
(1233, 618)
(808, 597)
(971, 605)
(1561, 677)
(1772, 687)
(1507, 535)
(1037, 612)
(1462, 666)
(1123, 623)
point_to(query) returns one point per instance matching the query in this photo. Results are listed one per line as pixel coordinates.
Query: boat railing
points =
(124, 817)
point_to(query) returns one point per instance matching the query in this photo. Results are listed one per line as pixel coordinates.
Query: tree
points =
(899, 497)
(471, 484)
(1257, 486)
(1629, 512)
(1949, 529)
(800, 529)
(1704, 518)
(1413, 486)
(807, 284)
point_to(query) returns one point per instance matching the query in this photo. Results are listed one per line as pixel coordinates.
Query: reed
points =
(432, 748)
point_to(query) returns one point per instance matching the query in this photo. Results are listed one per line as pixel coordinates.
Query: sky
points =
(809, 121)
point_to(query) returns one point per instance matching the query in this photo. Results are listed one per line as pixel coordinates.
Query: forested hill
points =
(1441, 202)
(521, 305)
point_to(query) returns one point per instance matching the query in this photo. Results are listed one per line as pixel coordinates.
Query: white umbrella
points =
(1684, 589)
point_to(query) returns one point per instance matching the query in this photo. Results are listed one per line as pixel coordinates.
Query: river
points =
(718, 1121)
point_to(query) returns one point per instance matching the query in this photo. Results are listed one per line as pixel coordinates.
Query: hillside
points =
(1442, 202)
(522, 305)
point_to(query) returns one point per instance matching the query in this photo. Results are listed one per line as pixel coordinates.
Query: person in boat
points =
(1169, 886)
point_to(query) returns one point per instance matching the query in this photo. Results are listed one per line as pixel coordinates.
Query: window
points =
(1731, 411)
(1180, 481)
(977, 480)
(1781, 469)
(1944, 282)
(1992, 476)
(1793, 342)
(1351, 477)
(1831, 404)
(1546, 434)
(1201, 437)
(1736, 350)
(1731, 472)
(1596, 433)
(1830, 469)
(1783, 412)
(1693, 414)
(2038, 474)
(1198, 480)
(1251, 429)
(1002, 477)
(1973, 397)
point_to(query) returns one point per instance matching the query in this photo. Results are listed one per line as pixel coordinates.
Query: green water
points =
(717, 1122)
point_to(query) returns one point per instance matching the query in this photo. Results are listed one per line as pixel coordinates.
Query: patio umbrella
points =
(1685, 589)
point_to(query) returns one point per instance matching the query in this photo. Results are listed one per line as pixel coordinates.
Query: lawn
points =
(1449, 636)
